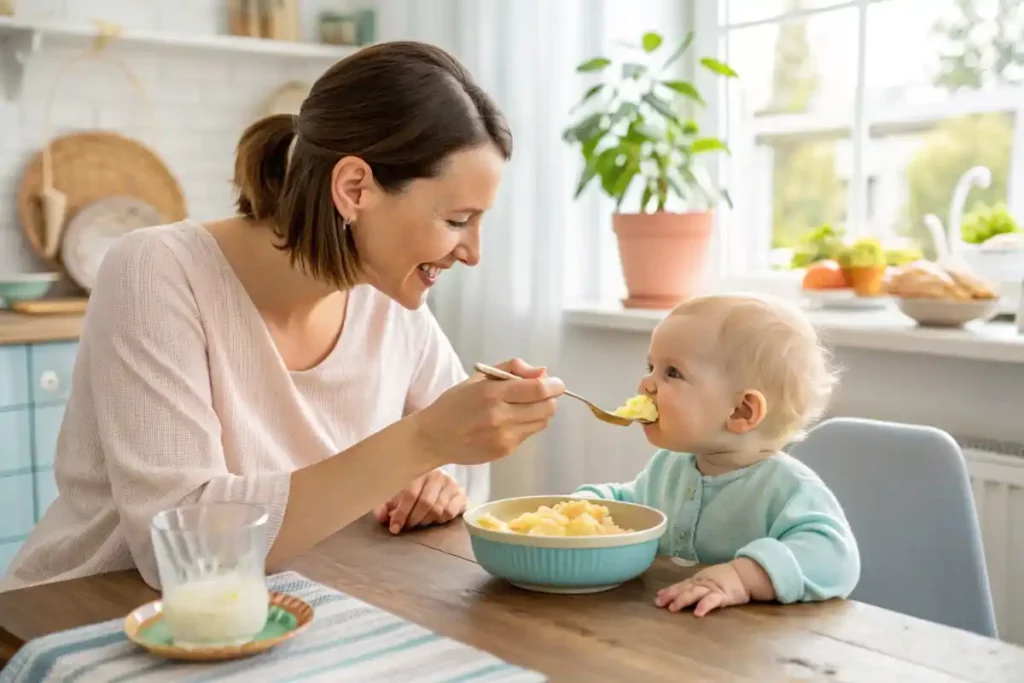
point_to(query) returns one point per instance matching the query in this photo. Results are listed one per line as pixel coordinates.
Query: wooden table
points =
(430, 578)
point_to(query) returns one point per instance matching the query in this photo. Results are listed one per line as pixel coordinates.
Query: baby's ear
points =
(750, 410)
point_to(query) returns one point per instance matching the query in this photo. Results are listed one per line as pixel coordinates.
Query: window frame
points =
(741, 259)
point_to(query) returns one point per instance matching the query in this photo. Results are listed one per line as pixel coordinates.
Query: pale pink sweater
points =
(179, 395)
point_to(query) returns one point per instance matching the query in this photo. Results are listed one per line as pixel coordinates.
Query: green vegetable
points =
(821, 244)
(900, 257)
(865, 253)
(986, 222)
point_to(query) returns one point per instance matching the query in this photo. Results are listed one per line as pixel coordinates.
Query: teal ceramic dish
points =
(26, 287)
(566, 564)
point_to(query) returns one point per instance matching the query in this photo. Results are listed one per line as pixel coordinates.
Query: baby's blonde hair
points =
(768, 344)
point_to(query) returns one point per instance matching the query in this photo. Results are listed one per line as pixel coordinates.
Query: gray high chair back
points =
(907, 495)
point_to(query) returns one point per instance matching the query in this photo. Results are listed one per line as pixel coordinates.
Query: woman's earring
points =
(345, 223)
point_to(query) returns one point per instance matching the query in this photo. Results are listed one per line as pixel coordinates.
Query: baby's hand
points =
(717, 586)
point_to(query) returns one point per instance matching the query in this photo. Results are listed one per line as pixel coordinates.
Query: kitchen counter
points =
(18, 328)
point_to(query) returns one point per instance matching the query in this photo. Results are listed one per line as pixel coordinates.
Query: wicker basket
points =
(94, 165)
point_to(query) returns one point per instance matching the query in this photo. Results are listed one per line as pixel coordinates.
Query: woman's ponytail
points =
(261, 162)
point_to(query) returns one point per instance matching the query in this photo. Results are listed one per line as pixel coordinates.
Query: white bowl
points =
(944, 313)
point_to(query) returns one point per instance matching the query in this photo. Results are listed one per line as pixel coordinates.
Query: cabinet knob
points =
(49, 381)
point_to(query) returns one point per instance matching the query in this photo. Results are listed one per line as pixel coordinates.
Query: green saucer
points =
(287, 617)
(280, 622)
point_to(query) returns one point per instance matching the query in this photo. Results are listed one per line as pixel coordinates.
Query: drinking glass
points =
(211, 561)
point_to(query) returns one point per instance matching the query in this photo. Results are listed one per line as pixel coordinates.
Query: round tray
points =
(95, 165)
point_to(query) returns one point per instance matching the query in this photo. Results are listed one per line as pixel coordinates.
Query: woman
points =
(285, 356)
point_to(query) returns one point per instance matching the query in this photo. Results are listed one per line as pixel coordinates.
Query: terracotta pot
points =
(663, 255)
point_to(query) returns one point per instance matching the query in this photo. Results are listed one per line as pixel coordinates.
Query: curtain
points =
(523, 53)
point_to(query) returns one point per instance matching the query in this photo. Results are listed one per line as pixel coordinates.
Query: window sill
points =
(886, 330)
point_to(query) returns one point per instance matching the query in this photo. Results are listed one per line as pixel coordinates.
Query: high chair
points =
(907, 495)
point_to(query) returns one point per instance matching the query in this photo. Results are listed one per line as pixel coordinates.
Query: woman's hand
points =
(434, 498)
(482, 420)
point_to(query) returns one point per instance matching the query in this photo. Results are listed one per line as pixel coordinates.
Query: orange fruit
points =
(824, 275)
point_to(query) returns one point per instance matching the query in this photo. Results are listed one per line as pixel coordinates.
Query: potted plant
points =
(635, 136)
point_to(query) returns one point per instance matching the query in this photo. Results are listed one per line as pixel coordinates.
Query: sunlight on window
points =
(941, 94)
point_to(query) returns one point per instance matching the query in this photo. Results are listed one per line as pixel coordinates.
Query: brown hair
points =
(403, 107)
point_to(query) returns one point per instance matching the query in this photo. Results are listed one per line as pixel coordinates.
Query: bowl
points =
(26, 286)
(945, 313)
(566, 564)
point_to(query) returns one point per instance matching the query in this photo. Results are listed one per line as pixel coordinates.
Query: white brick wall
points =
(203, 100)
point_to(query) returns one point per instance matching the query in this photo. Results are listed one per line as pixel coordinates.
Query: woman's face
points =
(407, 240)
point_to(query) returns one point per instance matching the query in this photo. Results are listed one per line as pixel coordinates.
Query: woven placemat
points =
(93, 165)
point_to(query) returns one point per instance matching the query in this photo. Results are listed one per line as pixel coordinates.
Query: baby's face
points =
(686, 380)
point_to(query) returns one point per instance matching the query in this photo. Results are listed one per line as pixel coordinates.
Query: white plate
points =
(843, 299)
(93, 230)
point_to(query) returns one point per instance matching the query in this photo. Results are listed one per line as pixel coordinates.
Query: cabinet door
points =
(50, 367)
(44, 488)
(15, 440)
(45, 429)
(13, 376)
(17, 506)
(7, 552)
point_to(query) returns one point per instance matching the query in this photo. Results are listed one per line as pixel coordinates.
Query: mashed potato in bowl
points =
(564, 543)
(565, 518)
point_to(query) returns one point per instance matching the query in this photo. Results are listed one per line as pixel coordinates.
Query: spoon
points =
(599, 413)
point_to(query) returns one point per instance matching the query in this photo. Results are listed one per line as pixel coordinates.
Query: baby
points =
(735, 378)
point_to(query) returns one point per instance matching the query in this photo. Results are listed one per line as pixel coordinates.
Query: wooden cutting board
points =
(66, 306)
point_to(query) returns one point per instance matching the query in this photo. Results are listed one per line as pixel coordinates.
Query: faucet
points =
(978, 176)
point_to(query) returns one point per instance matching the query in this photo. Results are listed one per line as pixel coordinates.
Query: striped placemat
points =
(348, 640)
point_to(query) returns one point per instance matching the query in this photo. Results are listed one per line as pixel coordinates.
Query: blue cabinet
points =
(35, 381)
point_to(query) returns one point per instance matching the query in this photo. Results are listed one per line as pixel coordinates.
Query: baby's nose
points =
(648, 385)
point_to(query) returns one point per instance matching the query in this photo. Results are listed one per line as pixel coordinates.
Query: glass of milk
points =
(210, 558)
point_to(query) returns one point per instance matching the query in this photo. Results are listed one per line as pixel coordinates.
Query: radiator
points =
(997, 481)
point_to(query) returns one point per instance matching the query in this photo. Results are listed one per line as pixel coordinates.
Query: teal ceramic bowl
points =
(566, 564)
(26, 286)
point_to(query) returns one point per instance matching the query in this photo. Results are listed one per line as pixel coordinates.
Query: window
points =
(865, 114)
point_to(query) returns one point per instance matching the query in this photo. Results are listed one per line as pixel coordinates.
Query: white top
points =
(179, 396)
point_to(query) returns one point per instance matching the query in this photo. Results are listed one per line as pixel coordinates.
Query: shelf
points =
(884, 330)
(19, 40)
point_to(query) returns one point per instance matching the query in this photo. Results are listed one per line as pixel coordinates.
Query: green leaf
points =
(683, 47)
(651, 41)
(684, 88)
(585, 129)
(625, 110)
(622, 183)
(690, 127)
(646, 199)
(727, 197)
(591, 91)
(680, 190)
(698, 178)
(661, 106)
(590, 146)
(701, 145)
(647, 132)
(594, 64)
(633, 70)
(718, 67)
(589, 172)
